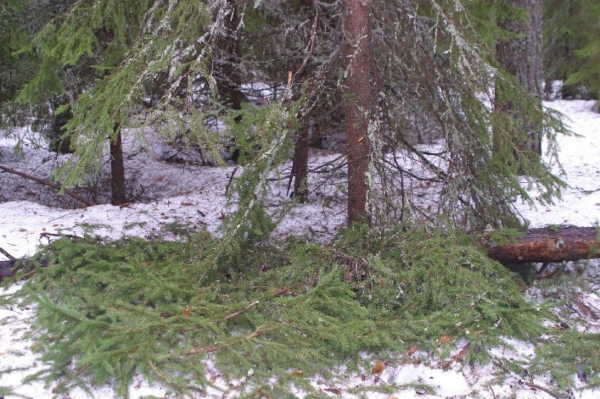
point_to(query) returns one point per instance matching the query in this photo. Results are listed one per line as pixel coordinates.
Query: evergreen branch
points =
(213, 348)
(166, 378)
(70, 378)
(206, 349)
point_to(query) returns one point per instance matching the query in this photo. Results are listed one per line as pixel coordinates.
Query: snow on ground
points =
(580, 158)
(193, 196)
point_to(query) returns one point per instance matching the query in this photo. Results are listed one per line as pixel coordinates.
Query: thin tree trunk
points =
(300, 164)
(300, 160)
(229, 77)
(117, 169)
(359, 101)
(521, 56)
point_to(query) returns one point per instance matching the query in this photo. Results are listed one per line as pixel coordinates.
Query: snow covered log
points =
(551, 244)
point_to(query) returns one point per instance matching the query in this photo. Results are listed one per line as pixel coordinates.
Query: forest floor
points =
(189, 196)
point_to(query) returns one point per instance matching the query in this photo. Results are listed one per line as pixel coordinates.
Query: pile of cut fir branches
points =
(271, 315)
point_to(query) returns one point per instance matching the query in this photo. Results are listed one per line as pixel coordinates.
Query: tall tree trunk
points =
(117, 169)
(300, 161)
(359, 100)
(522, 57)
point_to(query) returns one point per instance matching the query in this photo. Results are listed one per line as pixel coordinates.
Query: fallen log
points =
(548, 245)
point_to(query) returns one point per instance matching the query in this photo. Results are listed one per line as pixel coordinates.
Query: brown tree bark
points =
(300, 160)
(117, 170)
(357, 28)
(521, 56)
(300, 163)
(229, 82)
(549, 245)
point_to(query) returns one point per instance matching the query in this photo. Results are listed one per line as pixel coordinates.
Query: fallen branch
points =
(71, 237)
(541, 388)
(47, 183)
(239, 312)
(529, 384)
(230, 180)
(10, 267)
(9, 256)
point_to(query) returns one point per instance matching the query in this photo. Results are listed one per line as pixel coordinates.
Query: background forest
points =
(464, 76)
(430, 112)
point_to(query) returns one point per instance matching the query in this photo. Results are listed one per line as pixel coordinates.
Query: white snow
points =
(194, 196)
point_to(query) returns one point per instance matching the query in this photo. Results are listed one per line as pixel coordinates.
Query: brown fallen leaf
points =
(254, 334)
(444, 340)
(561, 326)
(461, 354)
(447, 364)
(378, 367)
(412, 350)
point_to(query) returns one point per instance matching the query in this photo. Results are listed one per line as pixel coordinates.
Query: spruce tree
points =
(15, 68)
(571, 31)
(429, 72)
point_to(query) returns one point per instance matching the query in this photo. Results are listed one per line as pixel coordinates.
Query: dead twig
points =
(70, 378)
(549, 392)
(9, 256)
(206, 349)
(230, 180)
(69, 236)
(239, 312)
(529, 384)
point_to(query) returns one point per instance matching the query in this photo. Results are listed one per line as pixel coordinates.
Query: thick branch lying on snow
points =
(47, 183)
